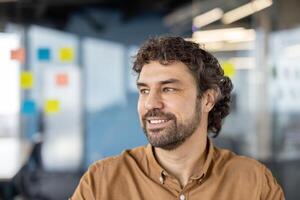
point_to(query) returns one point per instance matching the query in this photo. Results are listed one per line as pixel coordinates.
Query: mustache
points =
(158, 113)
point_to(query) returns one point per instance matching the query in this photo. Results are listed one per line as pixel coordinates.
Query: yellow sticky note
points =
(229, 69)
(26, 80)
(52, 106)
(66, 54)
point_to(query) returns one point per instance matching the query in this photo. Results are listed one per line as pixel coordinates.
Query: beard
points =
(175, 134)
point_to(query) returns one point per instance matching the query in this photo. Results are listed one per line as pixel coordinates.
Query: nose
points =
(153, 100)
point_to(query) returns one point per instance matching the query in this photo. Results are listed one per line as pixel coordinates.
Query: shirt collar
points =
(202, 170)
(156, 171)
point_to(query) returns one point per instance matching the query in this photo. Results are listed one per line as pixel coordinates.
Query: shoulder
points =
(247, 171)
(103, 174)
(224, 157)
(127, 158)
(238, 168)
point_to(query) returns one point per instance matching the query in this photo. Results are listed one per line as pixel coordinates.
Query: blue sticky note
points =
(44, 54)
(28, 107)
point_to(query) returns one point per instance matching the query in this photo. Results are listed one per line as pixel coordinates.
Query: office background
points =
(68, 95)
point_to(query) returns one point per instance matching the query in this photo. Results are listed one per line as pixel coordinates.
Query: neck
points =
(185, 159)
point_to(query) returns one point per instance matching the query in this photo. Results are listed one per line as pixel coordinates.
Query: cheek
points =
(182, 109)
(176, 108)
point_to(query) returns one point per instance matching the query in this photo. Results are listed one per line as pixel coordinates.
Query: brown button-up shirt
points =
(136, 175)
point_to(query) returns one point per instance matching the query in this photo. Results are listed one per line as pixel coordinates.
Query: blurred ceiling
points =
(58, 11)
(175, 14)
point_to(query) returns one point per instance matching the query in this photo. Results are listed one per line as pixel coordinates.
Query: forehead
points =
(155, 72)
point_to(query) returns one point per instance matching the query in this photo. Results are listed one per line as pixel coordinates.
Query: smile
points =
(157, 121)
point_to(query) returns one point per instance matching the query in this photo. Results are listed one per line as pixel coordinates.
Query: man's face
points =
(168, 107)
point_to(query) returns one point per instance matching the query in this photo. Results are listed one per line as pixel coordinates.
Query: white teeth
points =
(157, 121)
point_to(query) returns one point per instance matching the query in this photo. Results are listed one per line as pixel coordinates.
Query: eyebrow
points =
(168, 81)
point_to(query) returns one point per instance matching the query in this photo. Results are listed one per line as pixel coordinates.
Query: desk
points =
(14, 152)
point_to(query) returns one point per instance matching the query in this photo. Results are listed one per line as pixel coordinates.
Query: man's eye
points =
(144, 91)
(167, 89)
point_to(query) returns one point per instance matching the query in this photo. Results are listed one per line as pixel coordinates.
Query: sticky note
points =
(229, 69)
(18, 54)
(62, 79)
(43, 54)
(28, 107)
(52, 106)
(26, 80)
(66, 54)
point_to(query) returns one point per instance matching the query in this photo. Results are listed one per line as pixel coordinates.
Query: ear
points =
(209, 99)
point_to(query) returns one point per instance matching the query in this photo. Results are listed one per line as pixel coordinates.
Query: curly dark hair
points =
(203, 66)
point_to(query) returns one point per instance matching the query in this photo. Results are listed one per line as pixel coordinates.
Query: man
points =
(183, 95)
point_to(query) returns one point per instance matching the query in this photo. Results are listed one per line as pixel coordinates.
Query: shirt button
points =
(182, 197)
